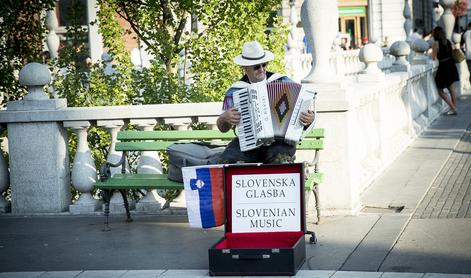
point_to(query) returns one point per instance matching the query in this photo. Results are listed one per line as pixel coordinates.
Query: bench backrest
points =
(159, 140)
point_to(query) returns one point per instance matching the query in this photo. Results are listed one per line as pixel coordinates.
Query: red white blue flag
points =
(204, 195)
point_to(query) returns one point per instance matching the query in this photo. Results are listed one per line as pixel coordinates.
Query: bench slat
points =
(174, 135)
(138, 181)
(317, 144)
(152, 146)
(315, 133)
(307, 144)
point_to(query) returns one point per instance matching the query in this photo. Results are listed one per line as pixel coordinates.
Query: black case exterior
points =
(259, 261)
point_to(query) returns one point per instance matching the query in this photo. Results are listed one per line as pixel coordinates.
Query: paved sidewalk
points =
(428, 238)
(202, 273)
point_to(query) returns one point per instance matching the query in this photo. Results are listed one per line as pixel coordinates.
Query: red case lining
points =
(259, 240)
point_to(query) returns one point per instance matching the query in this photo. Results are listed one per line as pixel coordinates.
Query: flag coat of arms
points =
(204, 195)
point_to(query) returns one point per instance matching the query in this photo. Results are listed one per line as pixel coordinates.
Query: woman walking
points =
(447, 74)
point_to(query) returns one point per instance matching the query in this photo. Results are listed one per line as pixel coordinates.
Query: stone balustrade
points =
(345, 63)
(368, 123)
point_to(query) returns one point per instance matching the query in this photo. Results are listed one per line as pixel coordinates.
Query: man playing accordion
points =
(254, 61)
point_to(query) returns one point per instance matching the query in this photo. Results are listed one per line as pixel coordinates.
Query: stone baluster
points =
(39, 160)
(401, 51)
(53, 43)
(209, 121)
(320, 23)
(84, 173)
(420, 46)
(292, 44)
(371, 55)
(108, 60)
(436, 13)
(407, 22)
(293, 59)
(338, 60)
(113, 126)
(4, 182)
(179, 123)
(52, 39)
(448, 19)
(149, 163)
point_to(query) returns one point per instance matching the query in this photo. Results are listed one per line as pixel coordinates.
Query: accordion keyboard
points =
(245, 128)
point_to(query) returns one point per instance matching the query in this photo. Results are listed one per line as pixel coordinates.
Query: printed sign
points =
(266, 203)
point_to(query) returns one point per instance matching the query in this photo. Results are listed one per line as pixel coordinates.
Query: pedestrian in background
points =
(447, 74)
(466, 46)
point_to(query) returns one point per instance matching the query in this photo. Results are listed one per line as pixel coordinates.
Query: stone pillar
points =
(4, 182)
(94, 38)
(149, 163)
(84, 173)
(113, 126)
(401, 51)
(448, 19)
(39, 160)
(372, 35)
(320, 23)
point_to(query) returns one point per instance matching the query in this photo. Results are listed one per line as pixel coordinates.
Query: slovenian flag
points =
(204, 195)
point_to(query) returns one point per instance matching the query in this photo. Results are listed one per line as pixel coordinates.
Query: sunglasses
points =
(257, 67)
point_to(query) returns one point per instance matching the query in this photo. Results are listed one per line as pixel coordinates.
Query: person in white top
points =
(466, 45)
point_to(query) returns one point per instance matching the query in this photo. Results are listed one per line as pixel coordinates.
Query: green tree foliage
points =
(85, 84)
(22, 33)
(219, 28)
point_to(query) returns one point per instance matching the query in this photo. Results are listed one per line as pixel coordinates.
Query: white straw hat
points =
(253, 54)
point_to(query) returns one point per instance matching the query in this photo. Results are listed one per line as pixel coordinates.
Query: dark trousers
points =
(277, 152)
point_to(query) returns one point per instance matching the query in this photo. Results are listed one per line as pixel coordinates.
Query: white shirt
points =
(467, 44)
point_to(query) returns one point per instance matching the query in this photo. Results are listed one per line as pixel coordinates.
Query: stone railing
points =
(345, 63)
(368, 123)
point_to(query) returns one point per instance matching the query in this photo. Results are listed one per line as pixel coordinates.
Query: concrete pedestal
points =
(39, 162)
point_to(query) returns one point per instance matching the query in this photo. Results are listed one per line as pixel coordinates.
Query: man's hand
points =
(306, 118)
(227, 119)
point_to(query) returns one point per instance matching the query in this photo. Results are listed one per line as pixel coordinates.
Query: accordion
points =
(271, 111)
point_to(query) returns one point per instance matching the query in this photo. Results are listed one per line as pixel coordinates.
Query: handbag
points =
(190, 154)
(457, 55)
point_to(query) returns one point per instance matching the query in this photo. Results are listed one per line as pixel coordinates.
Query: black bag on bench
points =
(190, 154)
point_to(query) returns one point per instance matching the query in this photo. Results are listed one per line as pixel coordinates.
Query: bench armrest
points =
(105, 169)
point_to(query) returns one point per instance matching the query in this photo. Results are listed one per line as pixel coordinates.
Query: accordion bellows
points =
(271, 111)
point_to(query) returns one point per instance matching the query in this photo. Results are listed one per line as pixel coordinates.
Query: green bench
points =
(131, 141)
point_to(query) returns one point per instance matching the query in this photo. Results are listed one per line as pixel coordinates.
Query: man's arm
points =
(227, 119)
(307, 118)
